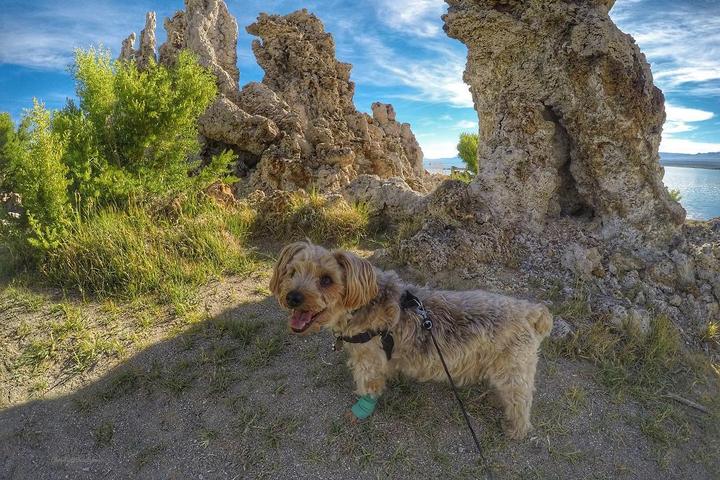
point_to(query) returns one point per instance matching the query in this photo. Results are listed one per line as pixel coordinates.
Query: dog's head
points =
(320, 286)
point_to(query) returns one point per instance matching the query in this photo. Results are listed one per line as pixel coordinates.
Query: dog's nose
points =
(294, 299)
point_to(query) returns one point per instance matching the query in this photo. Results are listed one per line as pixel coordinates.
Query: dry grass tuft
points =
(300, 215)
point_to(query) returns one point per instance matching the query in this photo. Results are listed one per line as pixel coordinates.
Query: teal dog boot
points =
(364, 407)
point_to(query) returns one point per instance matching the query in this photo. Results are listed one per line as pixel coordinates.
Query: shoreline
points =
(712, 166)
(701, 166)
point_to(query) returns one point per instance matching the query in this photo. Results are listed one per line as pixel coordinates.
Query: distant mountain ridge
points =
(700, 160)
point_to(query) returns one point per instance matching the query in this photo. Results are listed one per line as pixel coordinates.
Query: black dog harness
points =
(388, 342)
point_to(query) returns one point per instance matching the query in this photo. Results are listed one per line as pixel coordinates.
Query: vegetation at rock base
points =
(92, 177)
(315, 217)
(467, 151)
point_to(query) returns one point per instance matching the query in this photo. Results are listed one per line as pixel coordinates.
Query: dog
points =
(482, 335)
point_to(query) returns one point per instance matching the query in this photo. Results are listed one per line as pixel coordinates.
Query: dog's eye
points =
(326, 281)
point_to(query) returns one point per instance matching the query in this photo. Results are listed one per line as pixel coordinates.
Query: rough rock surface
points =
(331, 142)
(299, 128)
(228, 123)
(147, 51)
(127, 50)
(570, 120)
(207, 29)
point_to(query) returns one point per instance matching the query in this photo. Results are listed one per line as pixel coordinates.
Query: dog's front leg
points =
(369, 367)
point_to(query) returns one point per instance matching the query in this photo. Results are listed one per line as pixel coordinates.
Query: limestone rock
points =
(127, 51)
(583, 262)
(390, 200)
(633, 320)
(226, 122)
(146, 54)
(335, 141)
(207, 29)
(570, 120)
(11, 203)
(560, 329)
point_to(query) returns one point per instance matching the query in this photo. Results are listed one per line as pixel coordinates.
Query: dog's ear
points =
(280, 270)
(360, 280)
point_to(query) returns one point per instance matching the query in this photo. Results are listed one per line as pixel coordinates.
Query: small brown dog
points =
(483, 336)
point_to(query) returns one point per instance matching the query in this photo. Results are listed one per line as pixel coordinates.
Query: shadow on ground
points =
(237, 397)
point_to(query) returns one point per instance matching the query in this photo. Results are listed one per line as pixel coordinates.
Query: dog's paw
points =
(517, 431)
(351, 418)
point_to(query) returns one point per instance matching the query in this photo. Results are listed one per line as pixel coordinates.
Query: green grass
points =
(629, 363)
(126, 253)
(643, 369)
(17, 295)
(243, 331)
(265, 349)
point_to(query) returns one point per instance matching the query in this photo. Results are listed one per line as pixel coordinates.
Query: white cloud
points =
(681, 42)
(432, 81)
(414, 17)
(679, 145)
(46, 36)
(466, 124)
(679, 118)
(437, 148)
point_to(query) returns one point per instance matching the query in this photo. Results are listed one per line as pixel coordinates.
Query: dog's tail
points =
(542, 320)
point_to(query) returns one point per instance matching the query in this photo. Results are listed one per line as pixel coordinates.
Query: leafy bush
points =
(134, 132)
(130, 141)
(463, 175)
(467, 151)
(675, 194)
(34, 168)
(93, 175)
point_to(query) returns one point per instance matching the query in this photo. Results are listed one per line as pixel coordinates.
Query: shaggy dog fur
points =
(483, 336)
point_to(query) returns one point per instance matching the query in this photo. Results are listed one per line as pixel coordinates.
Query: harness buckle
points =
(409, 300)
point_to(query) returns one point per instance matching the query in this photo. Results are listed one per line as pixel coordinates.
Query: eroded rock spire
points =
(570, 120)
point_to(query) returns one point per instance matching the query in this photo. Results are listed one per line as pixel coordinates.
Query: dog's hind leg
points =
(513, 377)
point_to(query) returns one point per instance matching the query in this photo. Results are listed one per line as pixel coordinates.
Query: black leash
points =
(410, 300)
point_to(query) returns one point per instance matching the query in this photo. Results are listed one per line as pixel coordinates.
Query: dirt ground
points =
(234, 395)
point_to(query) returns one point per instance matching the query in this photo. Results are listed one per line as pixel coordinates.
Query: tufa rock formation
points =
(146, 53)
(329, 142)
(207, 29)
(570, 120)
(298, 128)
(570, 188)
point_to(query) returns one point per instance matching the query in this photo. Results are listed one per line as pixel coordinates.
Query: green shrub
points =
(467, 151)
(675, 194)
(85, 172)
(135, 131)
(463, 175)
(34, 168)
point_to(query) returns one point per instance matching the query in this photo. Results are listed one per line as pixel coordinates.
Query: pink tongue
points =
(300, 319)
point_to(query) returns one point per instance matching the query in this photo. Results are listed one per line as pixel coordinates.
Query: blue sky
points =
(397, 47)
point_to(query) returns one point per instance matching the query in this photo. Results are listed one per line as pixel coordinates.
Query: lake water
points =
(700, 190)
(699, 187)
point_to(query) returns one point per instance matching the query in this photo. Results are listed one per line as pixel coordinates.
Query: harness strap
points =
(388, 342)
